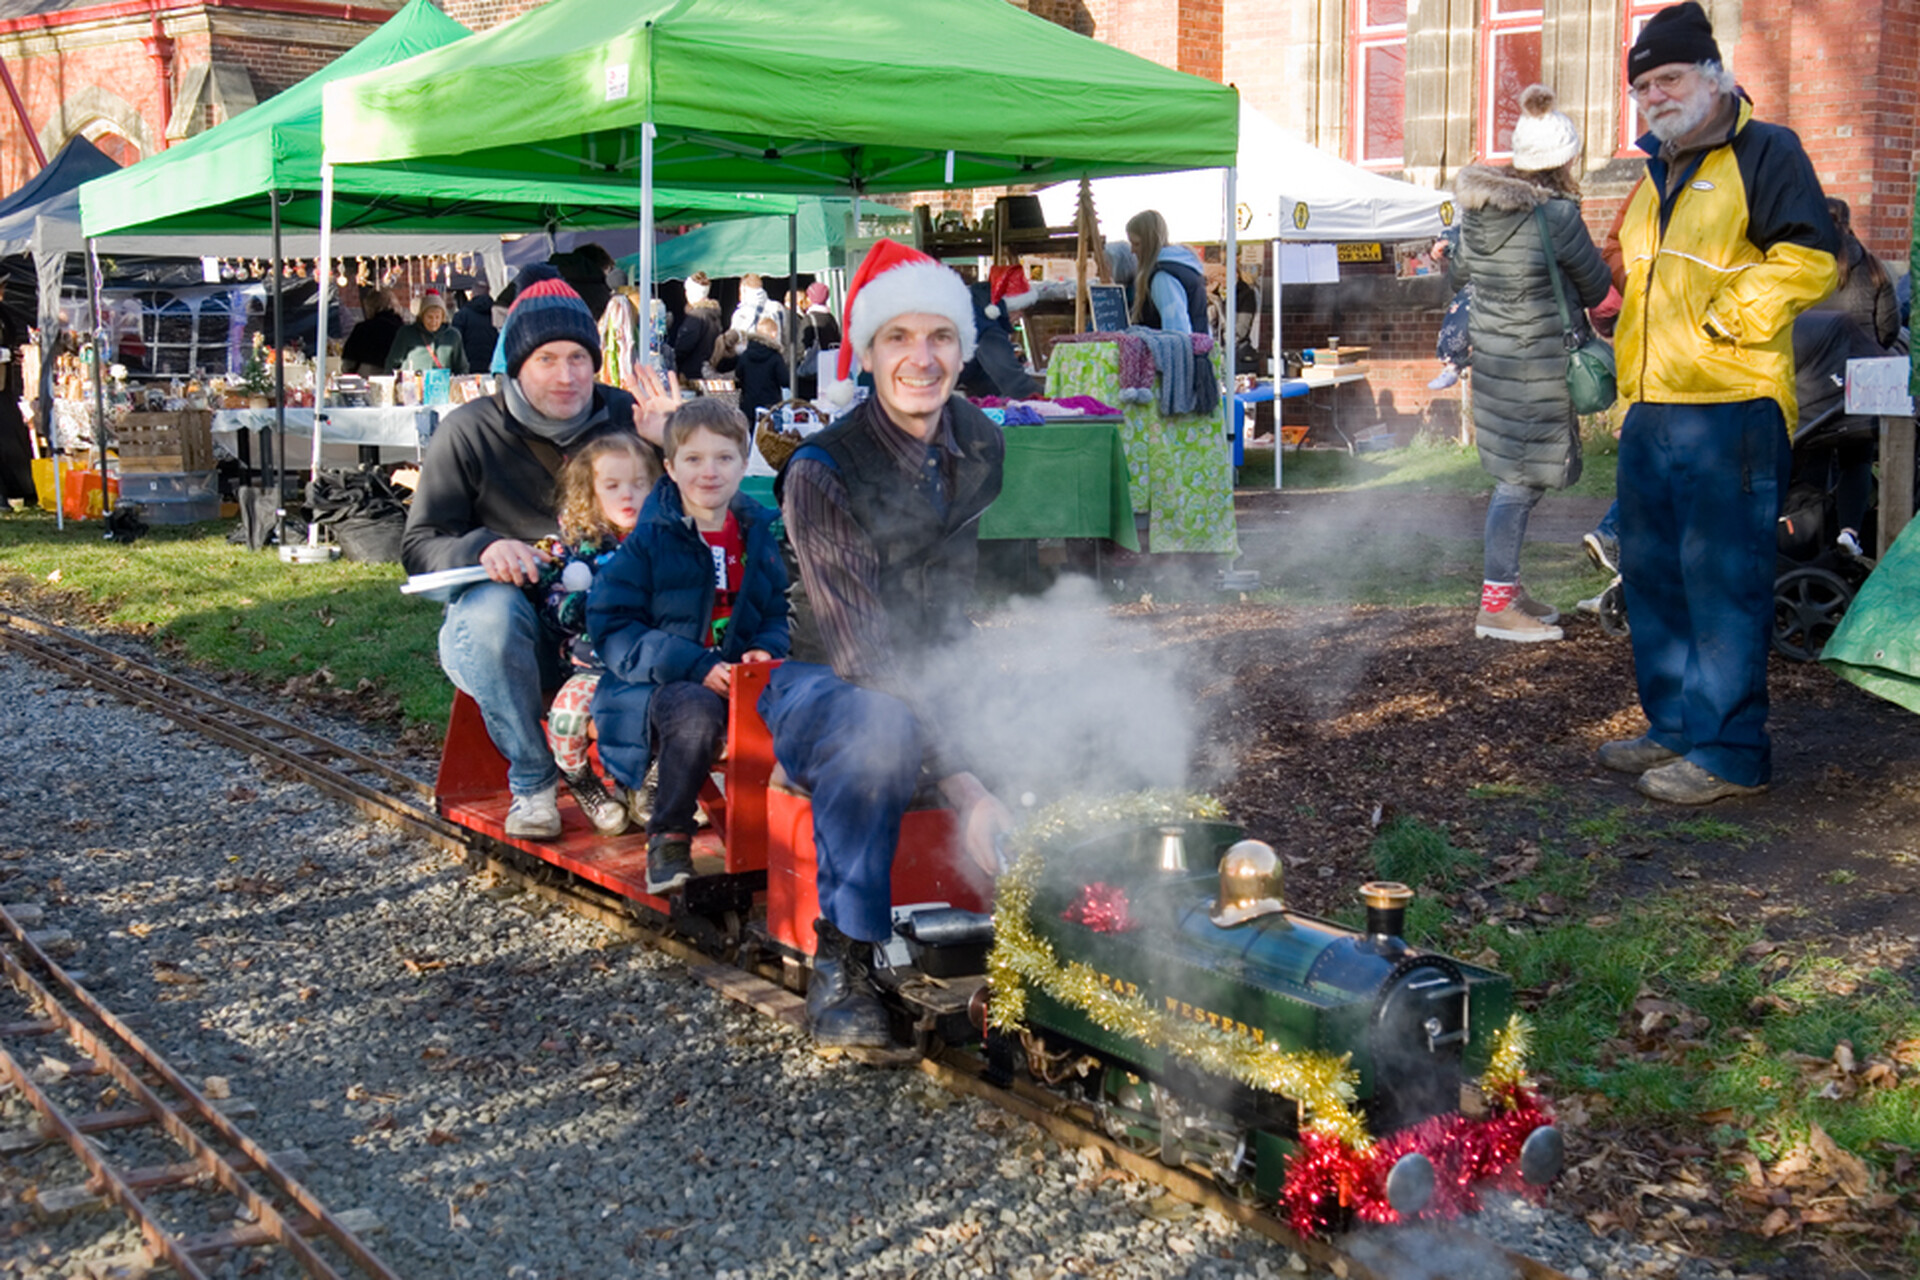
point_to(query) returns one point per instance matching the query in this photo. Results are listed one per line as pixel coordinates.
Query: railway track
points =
(77, 1041)
(386, 794)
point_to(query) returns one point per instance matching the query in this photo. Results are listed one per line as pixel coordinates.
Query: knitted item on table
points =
(1497, 597)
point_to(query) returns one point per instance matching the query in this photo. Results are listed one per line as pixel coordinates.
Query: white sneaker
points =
(536, 816)
(1849, 542)
(1513, 624)
(1448, 376)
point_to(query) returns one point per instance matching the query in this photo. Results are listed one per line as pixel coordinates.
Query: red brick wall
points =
(106, 64)
(482, 14)
(274, 65)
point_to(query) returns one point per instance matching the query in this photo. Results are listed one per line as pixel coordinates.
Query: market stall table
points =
(401, 426)
(1065, 479)
(1180, 468)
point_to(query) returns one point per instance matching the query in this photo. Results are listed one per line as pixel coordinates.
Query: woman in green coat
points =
(1523, 420)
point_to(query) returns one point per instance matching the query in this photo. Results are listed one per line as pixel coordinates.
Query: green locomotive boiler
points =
(1155, 976)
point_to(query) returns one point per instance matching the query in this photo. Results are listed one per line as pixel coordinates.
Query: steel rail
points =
(955, 1070)
(261, 1210)
(52, 644)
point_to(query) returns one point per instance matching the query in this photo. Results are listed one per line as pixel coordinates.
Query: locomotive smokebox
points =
(1386, 902)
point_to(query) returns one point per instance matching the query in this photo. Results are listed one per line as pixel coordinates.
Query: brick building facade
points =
(132, 75)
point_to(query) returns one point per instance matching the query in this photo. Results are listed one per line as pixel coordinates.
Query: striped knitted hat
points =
(547, 310)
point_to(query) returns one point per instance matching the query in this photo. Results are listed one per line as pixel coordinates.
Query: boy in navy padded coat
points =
(697, 587)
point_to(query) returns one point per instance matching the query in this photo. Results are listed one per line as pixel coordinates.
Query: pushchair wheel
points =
(1613, 609)
(1808, 604)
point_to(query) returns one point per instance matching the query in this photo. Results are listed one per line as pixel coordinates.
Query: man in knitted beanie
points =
(486, 497)
(882, 510)
(1735, 220)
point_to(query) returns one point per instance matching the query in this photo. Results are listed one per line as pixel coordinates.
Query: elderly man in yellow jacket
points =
(1724, 244)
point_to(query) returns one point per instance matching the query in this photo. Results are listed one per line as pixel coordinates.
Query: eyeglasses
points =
(1667, 82)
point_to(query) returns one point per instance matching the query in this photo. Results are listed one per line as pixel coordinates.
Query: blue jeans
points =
(1507, 513)
(858, 752)
(496, 650)
(1700, 490)
(1609, 526)
(688, 721)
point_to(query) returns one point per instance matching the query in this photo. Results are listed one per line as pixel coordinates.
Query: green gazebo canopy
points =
(220, 180)
(763, 95)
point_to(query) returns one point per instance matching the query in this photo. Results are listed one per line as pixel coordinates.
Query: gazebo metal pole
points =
(649, 285)
(99, 344)
(279, 363)
(325, 275)
(1229, 310)
(792, 337)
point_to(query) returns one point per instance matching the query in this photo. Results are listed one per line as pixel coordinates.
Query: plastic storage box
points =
(173, 497)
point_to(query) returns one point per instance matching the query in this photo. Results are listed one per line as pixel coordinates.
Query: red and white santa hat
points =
(1009, 289)
(897, 280)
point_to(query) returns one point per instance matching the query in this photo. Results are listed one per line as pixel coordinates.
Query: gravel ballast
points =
(510, 1089)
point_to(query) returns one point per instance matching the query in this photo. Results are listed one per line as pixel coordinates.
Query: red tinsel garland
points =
(1328, 1180)
(1102, 908)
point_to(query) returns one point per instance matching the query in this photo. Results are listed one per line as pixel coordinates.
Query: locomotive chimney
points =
(1173, 849)
(1386, 909)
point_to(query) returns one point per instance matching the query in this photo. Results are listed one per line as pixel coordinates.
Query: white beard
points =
(1678, 119)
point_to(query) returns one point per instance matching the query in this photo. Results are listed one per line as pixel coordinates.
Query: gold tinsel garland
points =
(1507, 1067)
(1323, 1083)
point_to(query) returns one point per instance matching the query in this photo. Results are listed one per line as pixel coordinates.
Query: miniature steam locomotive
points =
(1138, 958)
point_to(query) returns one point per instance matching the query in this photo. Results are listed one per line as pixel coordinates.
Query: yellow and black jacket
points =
(1717, 269)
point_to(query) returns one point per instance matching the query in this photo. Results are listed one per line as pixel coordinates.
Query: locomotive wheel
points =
(1808, 604)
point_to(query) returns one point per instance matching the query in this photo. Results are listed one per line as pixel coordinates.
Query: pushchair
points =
(1814, 578)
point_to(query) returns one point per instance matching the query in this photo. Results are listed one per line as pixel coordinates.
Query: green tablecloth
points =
(1181, 465)
(1064, 480)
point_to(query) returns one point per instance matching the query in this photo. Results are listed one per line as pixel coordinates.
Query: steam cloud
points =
(1055, 697)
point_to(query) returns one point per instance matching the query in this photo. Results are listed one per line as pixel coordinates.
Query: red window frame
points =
(1635, 17)
(1501, 21)
(1372, 28)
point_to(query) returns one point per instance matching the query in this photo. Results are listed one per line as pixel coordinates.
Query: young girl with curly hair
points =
(601, 491)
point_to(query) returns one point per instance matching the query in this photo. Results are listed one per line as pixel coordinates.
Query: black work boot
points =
(843, 1005)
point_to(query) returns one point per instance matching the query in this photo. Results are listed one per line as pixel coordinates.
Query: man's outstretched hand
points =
(656, 401)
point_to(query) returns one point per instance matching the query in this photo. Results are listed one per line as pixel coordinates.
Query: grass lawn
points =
(218, 604)
(1438, 466)
(1650, 1011)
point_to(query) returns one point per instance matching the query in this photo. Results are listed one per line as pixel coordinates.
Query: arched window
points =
(115, 147)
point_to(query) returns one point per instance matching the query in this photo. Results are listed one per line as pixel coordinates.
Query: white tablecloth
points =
(405, 427)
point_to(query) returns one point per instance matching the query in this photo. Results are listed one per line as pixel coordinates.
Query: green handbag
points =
(1591, 383)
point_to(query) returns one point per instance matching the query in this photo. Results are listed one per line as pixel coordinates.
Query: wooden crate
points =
(165, 442)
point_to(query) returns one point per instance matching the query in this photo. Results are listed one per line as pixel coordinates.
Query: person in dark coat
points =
(16, 451)
(819, 331)
(368, 342)
(486, 497)
(1866, 290)
(757, 365)
(699, 328)
(882, 513)
(474, 323)
(430, 342)
(698, 586)
(996, 369)
(1523, 420)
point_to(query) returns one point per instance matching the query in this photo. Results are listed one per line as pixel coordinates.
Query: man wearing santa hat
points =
(995, 369)
(882, 514)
